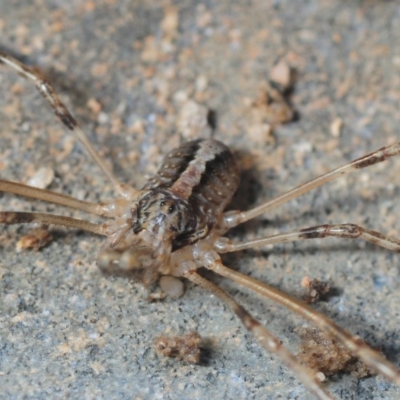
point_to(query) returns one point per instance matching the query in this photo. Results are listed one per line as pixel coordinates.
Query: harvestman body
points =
(176, 223)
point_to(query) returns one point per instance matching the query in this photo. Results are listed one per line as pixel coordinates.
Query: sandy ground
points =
(140, 77)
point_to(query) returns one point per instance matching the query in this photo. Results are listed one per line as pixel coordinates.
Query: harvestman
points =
(176, 223)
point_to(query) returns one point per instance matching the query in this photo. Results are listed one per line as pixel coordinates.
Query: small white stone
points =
(201, 83)
(180, 96)
(192, 120)
(281, 74)
(103, 118)
(42, 178)
(320, 376)
(336, 127)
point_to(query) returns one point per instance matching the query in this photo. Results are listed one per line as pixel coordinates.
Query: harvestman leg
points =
(351, 231)
(264, 337)
(49, 94)
(51, 197)
(14, 218)
(234, 218)
(346, 231)
(110, 209)
(376, 361)
(47, 91)
(103, 209)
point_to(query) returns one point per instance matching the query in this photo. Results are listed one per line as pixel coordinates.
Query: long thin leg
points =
(264, 337)
(14, 218)
(51, 197)
(48, 92)
(114, 208)
(346, 231)
(370, 357)
(233, 218)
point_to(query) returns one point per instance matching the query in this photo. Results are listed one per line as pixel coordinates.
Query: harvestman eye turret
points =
(175, 225)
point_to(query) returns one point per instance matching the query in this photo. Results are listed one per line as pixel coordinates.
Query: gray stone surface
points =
(66, 330)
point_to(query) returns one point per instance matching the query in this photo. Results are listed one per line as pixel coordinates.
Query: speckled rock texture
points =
(141, 77)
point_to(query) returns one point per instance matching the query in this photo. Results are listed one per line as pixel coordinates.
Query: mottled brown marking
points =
(60, 110)
(211, 161)
(174, 164)
(11, 218)
(248, 321)
(67, 119)
(370, 159)
(313, 232)
(345, 231)
(349, 231)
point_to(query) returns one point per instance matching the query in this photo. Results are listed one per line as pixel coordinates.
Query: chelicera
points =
(176, 224)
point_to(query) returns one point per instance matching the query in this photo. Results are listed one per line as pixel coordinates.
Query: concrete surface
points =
(124, 67)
